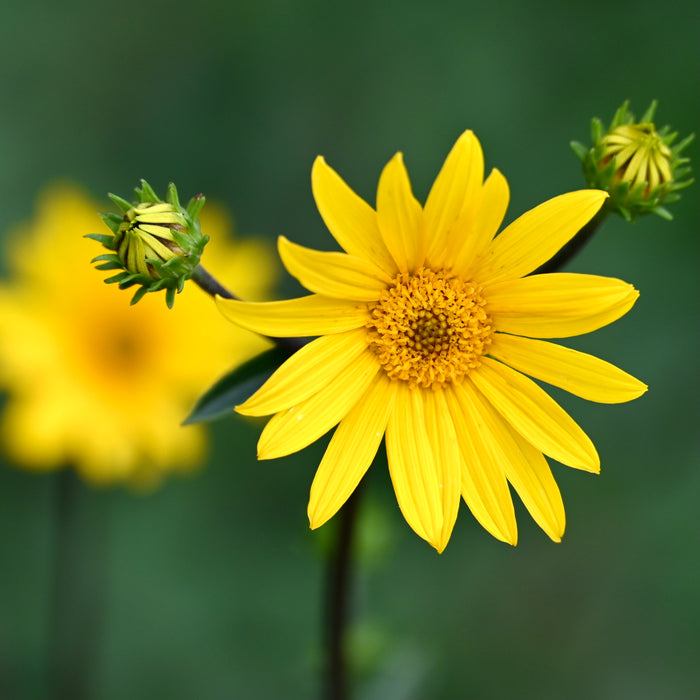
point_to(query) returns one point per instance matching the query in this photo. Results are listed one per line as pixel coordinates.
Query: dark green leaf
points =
(236, 386)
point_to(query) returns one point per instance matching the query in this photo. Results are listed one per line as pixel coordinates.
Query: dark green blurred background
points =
(213, 585)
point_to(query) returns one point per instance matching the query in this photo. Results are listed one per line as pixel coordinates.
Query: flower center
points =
(428, 329)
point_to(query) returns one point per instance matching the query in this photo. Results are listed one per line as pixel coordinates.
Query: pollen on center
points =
(429, 329)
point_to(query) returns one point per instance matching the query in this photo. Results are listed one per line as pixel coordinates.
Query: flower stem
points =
(338, 582)
(575, 245)
(77, 598)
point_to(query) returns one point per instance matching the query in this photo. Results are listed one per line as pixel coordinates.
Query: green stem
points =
(338, 582)
(77, 600)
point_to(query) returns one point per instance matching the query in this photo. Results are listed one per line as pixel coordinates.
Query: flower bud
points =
(635, 163)
(156, 244)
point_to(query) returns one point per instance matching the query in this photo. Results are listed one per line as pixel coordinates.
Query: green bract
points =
(155, 244)
(635, 163)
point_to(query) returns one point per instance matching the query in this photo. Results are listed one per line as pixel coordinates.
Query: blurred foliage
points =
(213, 585)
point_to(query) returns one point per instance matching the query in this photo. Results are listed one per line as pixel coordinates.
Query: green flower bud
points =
(635, 163)
(156, 244)
(146, 233)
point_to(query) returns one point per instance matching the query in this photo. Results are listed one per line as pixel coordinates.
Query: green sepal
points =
(109, 266)
(103, 238)
(579, 149)
(138, 295)
(146, 193)
(171, 196)
(120, 201)
(663, 213)
(117, 278)
(194, 206)
(129, 281)
(106, 257)
(236, 386)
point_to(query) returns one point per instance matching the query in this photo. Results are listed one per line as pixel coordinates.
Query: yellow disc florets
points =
(429, 329)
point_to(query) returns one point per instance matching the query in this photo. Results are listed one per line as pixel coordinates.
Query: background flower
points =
(94, 382)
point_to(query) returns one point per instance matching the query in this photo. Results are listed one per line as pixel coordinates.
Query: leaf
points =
(236, 386)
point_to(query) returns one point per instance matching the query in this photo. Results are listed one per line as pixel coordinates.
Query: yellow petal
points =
(576, 372)
(400, 216)
(524, 466)
(306, 316)
(305, 372)
(448, 460)
(532, 479)
(475, 229)
(537, 235)
(453, 193)
(484, 486)
(162, 232)
(351, 451)
(412, 465)
(535, 415)
(349, 218)
(558, 305)
(302, 424)
(335, 275)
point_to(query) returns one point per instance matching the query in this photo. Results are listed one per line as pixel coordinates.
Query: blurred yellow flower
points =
(428, 326)
(98, 384)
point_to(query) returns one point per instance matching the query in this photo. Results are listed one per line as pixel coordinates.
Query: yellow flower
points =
(95, 383)
(428, 326)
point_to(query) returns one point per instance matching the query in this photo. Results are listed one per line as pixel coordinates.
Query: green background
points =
(213, 586)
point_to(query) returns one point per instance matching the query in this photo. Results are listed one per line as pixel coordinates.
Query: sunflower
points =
(428, 324)
(93, 382)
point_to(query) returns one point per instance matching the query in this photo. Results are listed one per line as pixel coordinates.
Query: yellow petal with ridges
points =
(535, 484)
(351, 451)
(452, 195)
(412, 465)
(484, 485)
(309, 369)
(306, 316)
(558, 304)
(400, 216)
(535, 415)
(351, 221)
(335, 275)
(576, 372)
(476, 228)
(524, 467)
(163, 232)
(302, 424)
(537, 235)
(448, 460)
